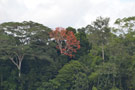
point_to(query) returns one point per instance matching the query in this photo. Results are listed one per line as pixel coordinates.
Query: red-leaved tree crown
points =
(66, 41)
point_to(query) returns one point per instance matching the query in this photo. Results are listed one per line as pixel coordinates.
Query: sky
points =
(64, 13)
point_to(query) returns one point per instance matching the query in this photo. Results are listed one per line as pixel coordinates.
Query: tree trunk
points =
(19, 66)
(113, 81)
(103, 57)
(1, 82)
(19, 73)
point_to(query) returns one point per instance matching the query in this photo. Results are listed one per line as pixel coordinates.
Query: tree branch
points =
(14, 62)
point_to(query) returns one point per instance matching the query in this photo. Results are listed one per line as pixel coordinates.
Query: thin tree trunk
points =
(120, 84)
(103, 57)
(113, 78)
(1, 81)
(113, 81)
(20, 64)
(98, 81)
(19, 73)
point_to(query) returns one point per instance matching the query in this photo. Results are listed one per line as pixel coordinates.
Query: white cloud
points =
(53, 13)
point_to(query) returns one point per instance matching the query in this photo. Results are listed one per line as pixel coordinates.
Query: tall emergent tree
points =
(16, 39)
(11, 49)
(99, 32)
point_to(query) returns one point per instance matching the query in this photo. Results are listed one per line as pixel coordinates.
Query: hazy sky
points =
(64, 13)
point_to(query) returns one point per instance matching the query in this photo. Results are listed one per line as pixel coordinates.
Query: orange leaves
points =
(66, 40)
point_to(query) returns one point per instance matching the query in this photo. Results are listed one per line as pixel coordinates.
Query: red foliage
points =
(66, 40)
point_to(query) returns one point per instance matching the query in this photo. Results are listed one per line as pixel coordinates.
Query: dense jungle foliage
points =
(29, 59)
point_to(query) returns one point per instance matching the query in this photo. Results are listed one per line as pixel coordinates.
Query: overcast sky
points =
(64, 13)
